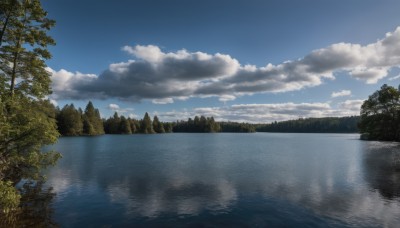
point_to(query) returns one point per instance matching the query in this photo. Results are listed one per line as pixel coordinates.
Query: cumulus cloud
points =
(117, 108)
(342, 93)
(351, 106)
(54, 102)
(225, 98)
(265, 113)
(113, 106)
(164, 76)
(167, 100)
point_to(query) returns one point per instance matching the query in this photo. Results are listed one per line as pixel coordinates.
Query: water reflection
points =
(382, 167)
(36, 208)
(270, 179)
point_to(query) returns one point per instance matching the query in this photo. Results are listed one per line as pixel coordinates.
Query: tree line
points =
(313, 125)
(73, 121)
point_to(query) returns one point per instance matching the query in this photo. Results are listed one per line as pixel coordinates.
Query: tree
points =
(146, 126)
(111, 125)
(24, 48)
(380, 115)
(124, 126)
(92, 123)
(158, 126)
(69, 121)
(26, 125)
(135, 126)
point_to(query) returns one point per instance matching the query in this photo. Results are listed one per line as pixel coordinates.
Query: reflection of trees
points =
(382, 168)
(35, 208)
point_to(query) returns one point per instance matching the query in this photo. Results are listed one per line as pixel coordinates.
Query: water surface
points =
(234, 180)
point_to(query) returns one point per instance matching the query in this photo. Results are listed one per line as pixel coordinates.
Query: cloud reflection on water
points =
(345, 179)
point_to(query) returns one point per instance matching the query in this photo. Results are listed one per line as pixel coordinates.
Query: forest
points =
(75, 122)
(314, 125)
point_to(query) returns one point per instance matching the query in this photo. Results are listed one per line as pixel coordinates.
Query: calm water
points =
(233, 180)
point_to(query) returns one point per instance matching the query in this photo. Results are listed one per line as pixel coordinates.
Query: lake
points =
(223, 179)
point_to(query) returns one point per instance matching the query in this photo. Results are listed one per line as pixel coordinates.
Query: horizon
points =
(247, 61)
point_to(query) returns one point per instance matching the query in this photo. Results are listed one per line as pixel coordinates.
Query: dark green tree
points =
(146, 126)
(168, 127)
(92, 122)
(25, 126)
(69, 121)
(380, 115)
(111, 125)
(158, 126)
(135, 126)
(124, 126)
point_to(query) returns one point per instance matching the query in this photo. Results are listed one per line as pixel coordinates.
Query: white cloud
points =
(351, 106)
(54, 102)
(225, 98)
(342, 93)
(113, 106)
(163, 101)
(116, 108)
(265, 113)
(164, 76)
(64, 83)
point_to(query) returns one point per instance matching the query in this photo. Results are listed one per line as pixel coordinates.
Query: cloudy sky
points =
(244, 60)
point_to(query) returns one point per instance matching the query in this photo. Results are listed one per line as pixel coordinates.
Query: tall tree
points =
(69, 121)
(26, 125)
(124, 126)
(158, 126)
(92, 122)
(111, 125)
(146, 126)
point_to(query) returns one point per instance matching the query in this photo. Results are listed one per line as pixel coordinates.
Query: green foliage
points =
(199, 124)
(92, 123)
(35, 208)
(146, 126)
(168, 127)
(380, 115)
(237, 127)
(158, 126)
(9, 197)
(23, 49)
(313, 125)
(124, 126)
(111, 125)
(69, 121)
(27, 121)
(28, 128)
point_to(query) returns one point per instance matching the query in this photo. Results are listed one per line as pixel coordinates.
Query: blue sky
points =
(253, 60)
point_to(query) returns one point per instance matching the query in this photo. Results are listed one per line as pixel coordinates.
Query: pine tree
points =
(124, 126)
(157, 125)
(69, 121)
(92, 122)
(146, 126)
(24, 83)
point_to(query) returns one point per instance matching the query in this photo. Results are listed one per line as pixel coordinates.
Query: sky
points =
(252, 61)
